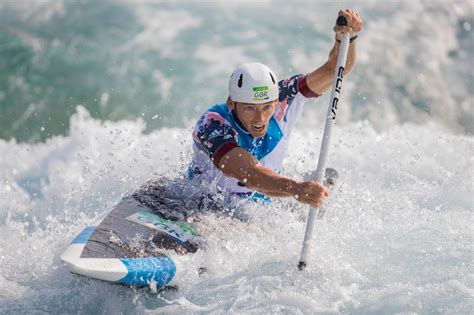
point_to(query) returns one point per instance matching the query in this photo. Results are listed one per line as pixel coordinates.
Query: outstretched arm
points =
(243, 166)
(321, 79)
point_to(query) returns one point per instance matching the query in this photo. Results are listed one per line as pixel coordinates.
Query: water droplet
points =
(467, 26)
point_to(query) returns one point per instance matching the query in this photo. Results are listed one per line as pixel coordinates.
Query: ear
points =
(230, 104)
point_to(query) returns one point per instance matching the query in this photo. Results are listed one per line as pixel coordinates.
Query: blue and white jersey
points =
(219, 130)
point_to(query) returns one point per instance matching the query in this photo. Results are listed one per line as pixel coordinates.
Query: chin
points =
(259, 134)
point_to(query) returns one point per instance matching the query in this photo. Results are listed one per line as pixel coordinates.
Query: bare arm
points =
(240, 164)
(320, 80)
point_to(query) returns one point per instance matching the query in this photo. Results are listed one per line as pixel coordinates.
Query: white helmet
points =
(253, 83)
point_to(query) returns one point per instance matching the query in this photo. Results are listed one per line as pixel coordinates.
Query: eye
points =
(249, 108)
(267, 108)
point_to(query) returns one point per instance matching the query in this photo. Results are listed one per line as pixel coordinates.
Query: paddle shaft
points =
(323, 154)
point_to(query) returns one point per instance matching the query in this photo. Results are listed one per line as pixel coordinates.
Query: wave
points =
(396, 236)
(133, 59)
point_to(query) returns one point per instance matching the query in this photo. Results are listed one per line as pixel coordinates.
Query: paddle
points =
(331, 116)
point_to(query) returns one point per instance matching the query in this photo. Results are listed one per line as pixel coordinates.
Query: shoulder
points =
(214, 133)
(215, 123)
(216, 114)
(221, 109)
(294, 93)
(293, 85)
(289, 85)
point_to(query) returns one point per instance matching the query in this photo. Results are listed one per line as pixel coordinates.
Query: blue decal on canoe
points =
(142, 270)
(84, 236)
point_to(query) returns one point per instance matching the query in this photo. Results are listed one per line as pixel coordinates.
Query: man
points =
(239, 146)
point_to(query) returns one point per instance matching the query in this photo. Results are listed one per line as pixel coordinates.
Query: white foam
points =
(160, 29)
(227, 58)
(396, 237)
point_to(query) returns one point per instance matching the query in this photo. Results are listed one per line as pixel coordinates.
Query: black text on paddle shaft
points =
(338, 90)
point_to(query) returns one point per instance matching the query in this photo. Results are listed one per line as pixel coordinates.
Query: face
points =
(255, 117)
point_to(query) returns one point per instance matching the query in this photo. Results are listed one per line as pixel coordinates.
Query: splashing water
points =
(396, 237)
(397, 234)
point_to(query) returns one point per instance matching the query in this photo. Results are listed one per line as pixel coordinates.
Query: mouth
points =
(258, 127)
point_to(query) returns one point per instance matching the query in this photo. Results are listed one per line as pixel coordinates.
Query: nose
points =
(259, 116)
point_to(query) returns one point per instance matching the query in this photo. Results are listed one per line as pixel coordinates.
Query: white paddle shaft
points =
(323, 154)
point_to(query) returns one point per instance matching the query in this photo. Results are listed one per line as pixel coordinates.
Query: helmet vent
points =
(240, 80)
(273, 79)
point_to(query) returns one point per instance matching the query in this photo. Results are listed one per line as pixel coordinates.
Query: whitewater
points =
(397, 235)
(98, 98)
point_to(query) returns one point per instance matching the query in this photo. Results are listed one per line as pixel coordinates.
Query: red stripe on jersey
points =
(304, 89)
(220, 152)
